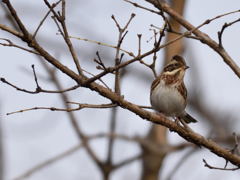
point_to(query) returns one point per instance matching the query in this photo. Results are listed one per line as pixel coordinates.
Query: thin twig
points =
(137, 58)
(18, 21)
(139, 44)
(26, 37)
(58, 25)
(157, 42)
(98, 79)
(72, 117)
(11, 31)
(99, 61)
(195, 30)
(218, 168)
(80, 106)
(35, 77)
(220, 33)
(142, 7)
(121, 36)
(45, 17)
(127, 24)
(102, 44)
(38, 89)
(61, 19)
(127, 161)
(11, 44)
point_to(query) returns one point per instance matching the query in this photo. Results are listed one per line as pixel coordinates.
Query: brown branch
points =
(61, 19)
(218, 168)
(180, 33)
(73, 119)
(11, 31)
(220, 33)
(127, 161)
(100, 63)
(111, 140)
(139, 44)
(102, 44)
(80, 106)
(11, 44)
(158, 119)
(35, 77)
(45, 17)
(204, 37)
(155, 49)
(38, 88)
(17, 20)
(121, 36)
(98, 79)
(156, 44)
(137, 58)
(142, 7)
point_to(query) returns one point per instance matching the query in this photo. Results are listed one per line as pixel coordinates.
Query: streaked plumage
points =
(168, 92)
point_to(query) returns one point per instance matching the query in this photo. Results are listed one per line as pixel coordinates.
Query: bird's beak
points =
(186, 67)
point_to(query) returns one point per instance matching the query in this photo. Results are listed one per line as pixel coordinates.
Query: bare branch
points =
(61, 19)
(127, 161)
(11, 31)
(98, 79)
(72, 117)
(45, 17)
(137, 58)
(102, 44)
(17, 19)
(127, 24)
(204, 37)
(35, 77)
(100, 62)
(38, 88)
(142, 7)
(80, 106)
(11, 44)
(156, 45)
(139, 44)
(220, 33)
(217, 168)
(117, 90)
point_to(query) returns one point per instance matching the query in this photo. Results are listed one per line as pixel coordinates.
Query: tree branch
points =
(204, 37)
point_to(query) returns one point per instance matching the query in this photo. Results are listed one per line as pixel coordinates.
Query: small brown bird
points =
(168, 92)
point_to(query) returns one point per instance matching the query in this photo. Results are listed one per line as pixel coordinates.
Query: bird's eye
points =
(177, 65)
(172, 67)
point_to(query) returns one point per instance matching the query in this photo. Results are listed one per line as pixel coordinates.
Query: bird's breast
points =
(167, 99)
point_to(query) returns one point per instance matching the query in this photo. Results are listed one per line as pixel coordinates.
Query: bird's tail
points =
(188, 118)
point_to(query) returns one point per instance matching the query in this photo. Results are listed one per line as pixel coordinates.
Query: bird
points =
(168, 92)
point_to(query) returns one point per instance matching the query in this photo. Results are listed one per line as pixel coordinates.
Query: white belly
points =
(167, 100)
